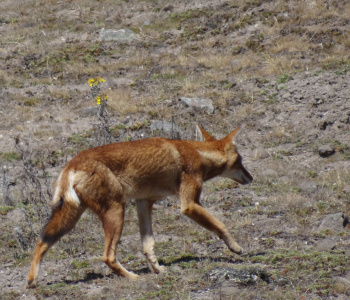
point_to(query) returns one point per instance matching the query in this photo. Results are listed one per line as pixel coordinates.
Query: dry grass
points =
(334, 179)
(290, 44)
(123, 101)
(79, 69)
(5, 79)
(242, 112)
(60, 93)
(219, 61)
(139, 58)
(279, 65)
(334, 61)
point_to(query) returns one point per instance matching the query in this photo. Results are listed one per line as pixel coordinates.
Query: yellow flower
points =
(96, 81)
(98, 98)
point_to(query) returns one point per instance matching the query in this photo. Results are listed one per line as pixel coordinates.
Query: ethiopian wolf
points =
(104, 178)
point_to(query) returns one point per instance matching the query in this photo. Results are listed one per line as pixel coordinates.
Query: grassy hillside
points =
(280, 67)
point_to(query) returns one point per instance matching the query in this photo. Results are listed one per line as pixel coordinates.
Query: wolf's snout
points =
(246, 177)
(247, 180)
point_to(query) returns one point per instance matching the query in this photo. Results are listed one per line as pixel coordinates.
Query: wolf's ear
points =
(230, 138)
(203, 135)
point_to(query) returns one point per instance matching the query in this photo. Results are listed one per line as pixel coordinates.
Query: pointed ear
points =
(230, 138)
(203, 135)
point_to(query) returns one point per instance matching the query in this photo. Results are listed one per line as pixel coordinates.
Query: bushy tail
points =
(66, 212)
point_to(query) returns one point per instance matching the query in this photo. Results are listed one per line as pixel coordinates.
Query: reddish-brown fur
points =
(104, 178)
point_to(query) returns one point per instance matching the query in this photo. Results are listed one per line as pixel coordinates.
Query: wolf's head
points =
(234, 166)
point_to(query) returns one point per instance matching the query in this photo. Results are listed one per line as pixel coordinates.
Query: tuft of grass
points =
(9, 156)
(283, 78)
(123, 102)
(80, 264)
(5, 209)
(290, 44)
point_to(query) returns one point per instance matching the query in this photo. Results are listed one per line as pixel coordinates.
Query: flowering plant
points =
(103, 97)
(103, 133)
(96, 90)
(96, 81)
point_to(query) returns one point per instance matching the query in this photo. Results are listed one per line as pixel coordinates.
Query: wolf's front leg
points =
(144, 212)
(190, 190)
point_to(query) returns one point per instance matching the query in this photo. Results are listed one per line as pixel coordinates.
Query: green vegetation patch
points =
(9, 156)
(75, 52)
(189, 14)
(80, 264)
(5, 209)
(310, 266)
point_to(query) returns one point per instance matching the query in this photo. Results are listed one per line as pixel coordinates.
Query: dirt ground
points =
(279, 67)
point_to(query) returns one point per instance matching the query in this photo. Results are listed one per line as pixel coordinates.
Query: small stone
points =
(166, 127)
(333, 222)
(325, 245)
(121, 35)
(198, 104)
(326, 150)
(269, 173)
(229, 289)
(249, 276)
(168, 7)
(260, 153)
(308, 186)
(281, 281)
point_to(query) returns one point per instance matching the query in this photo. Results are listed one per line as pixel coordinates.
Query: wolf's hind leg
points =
(144, 212)
(113, 221)
(63, 219)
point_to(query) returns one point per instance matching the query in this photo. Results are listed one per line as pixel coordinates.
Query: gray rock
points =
(326, 150)
(260, 153)
(164, 126)
(269, 173)
(325, 245)
(333, 222)
(121, 35)
(281, 281)
(249, 276)
(308, 186)
(98, 291)
(228, 289)
(198, 104)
